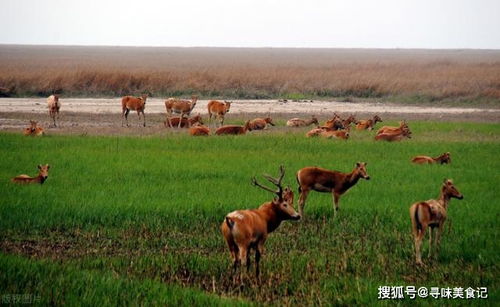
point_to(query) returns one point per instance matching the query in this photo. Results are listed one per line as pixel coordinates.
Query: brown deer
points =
(327, 181)
(43, 174)
(329, 134)
(33, 129)
(389, 129)
(297, 122)
(245, 230)
(335, 123)
(393, 136)
(179, 106)
(431, 214)
(347, 122)
(368, 124)
(54, 105)
(233, 129)
(198, 130)
(442, 159)
(185, 123)
(260, 123)
(218, 109)
(134, 103)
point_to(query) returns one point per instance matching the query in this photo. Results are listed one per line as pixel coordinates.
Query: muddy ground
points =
(103, 116)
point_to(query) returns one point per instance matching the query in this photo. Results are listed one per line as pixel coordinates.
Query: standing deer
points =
(297, 122)
(327, 181)
(233, 129)
(54, 105)
(43, 174)
(260, 123)
(179, 106)
(431, 214)
(245, 230)
(33, 129)
(368, 124)
(218, 109)
(442, 159)
(134, 103)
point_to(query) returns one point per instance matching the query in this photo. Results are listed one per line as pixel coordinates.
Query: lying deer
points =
(54, 105)
(347, 122)
(248, 229)
(442, 159)
(389, 129)
(431, 214)
(233, 129)
(198, 130)
(43, 174)
(185, 122)
(297, 122)
(218, 109)
(179, 106)
(134, 103)
(260, 123)
(393, 136)
(335, 123)
(368, 124)
(327, 181)
(33, 129)
(329, 134)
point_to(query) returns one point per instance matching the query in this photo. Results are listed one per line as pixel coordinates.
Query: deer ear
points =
(39, 166)
(48, 166)
(358, 164)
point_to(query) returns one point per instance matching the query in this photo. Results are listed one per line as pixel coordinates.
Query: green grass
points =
(140, 212)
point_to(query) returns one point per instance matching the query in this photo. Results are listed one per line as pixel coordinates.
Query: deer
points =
(335, 123)
(33, 129)
(347, 122)
(442, 159)
(218, 109)
(260, 123)
(43, 174)
(393, 136)
(199, 130)
(245, 230)
(329, 134)
(54, 105)
(134, 103)
(388, 129)
(179, 106)
(328, 181)
(233, 129)
(431, 214)
(185, 122)
(368, 124)
(297, 122)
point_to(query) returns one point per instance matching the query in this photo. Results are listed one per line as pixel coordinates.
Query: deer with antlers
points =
(179, 106)
(245, 230)
(134, 103)
(442, 159)
(431, 214)
(297, 122)
(43, 174)
(368, 124)
(218, 109)
(327, 181)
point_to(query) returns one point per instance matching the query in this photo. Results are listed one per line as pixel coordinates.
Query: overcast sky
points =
(254, 23)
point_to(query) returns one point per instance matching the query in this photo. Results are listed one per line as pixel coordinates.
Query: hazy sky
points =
(254, 23)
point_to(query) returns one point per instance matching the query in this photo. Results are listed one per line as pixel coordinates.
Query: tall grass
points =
(148, 210)
(405, 75)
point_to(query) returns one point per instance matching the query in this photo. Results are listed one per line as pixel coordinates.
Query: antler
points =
(275, 181)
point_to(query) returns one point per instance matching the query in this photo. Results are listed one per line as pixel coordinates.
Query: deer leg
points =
(126, 116)
(180, 121)
(243, 257)
(258, 253)
(336, 198)
(437, 239)
(431, 230)
(302, 201)
(418, 243)
(144, 118)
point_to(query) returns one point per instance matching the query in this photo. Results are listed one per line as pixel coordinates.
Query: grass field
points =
(454, 77)
(130, 220)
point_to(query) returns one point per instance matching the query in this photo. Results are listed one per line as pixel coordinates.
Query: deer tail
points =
(229, 222)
